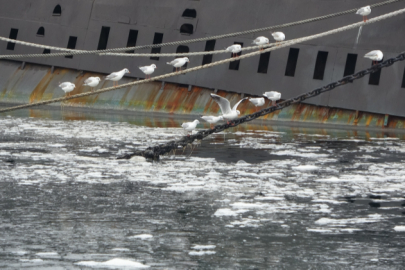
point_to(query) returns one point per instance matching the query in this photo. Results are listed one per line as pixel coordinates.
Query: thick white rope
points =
(285, 44)
(84, 52)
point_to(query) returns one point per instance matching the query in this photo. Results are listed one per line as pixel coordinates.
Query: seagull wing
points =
(143, 68)
(237, 104)
(185, 125)
(207, 118)
(223, 103)
(372, 53)
(65, 84)
(175, 61)
(88, 80)
(361, 10)
(111, 76)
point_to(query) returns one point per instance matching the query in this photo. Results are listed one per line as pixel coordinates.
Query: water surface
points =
(256, 197)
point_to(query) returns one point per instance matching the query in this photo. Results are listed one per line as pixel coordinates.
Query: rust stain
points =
(39, 90)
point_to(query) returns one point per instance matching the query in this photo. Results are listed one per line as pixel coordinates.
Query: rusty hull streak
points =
(173, 99)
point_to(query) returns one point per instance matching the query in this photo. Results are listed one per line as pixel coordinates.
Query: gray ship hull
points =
(85, 19)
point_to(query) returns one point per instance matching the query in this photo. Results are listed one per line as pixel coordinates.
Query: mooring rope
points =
(85, 52)
(155, 152)
(285, 44)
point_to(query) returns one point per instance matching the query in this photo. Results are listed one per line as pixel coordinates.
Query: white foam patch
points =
(306, 168)
(399, 228)
(201, 253)
(225, 212)
(335, 222)
(203, 247)
(120, 249)
(47, 254)
(141, 236)
(113, 264)
(31, 260)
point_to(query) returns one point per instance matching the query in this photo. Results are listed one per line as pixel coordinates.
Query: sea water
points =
(260, 196)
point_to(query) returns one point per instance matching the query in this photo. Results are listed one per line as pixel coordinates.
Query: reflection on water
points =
(257, 197)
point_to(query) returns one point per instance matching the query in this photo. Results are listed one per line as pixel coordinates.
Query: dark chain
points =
(156, 151)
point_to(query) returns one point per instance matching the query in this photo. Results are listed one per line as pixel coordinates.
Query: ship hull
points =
(85, 20)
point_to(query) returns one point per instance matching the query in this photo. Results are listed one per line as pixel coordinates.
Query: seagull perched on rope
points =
(92, 82)
(212, 119)
(67, 87)
(278, 36)
(148, 70)
(179, 62)
(234, 49)
(116, 76)
(190, 126)
(273, 96)
(376, 56)
(225, 106)
(257, 101)
(261, 41)
(364, 11)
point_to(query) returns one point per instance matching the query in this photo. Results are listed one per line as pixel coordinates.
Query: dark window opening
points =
(350, 66)
(46, 51)
(292, 62)
(403, 80)
(57, 11)
(13, 35)
(71, 45)
(320, 65)
(41, 32)
(186, 29)
(157, 39)
(209, 46)
(132, 37)
(182, 49)
(375, 77)
(264, 63)
(102, 42)
(190, 13)
(234, 65)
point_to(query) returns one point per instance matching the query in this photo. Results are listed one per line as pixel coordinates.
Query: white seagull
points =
(376, 56)
(190, 126)
(148, 70)
(261, 41)
(278, 36)
(179, 62)
(92, 82)
(234, 49)
(227, 112)
(212, 119)
(273, 96)
(364, 11)
(67, 87)
(257, 102)
(116, 76)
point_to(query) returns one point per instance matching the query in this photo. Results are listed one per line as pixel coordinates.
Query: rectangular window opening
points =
(71, 45)
(403, 80)
(13, 35)
(374, 78)
(320, 65)
(46, 51)
(209, 46)
(264, 63)
(292, 62)
(132, 37)
(235, 64)
(157, 39)
(102, 42)
(350, 66)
